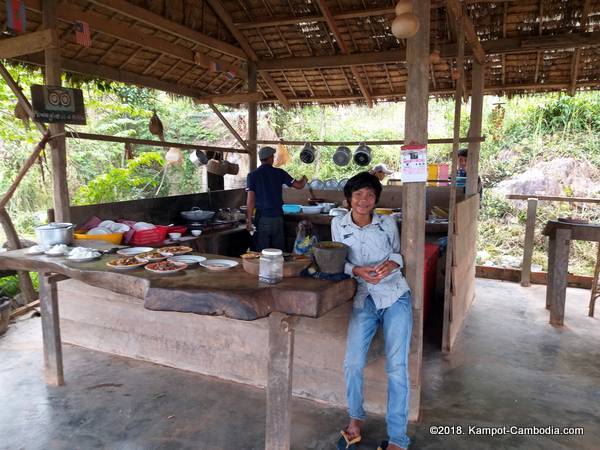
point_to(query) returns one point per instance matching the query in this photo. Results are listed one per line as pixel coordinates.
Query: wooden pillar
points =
(53, 361)
(559, 270)
(449, 288)
(252, 119)
(413, 194)
(528, 247)
(477, 80)
(279, 382)
(58, 144)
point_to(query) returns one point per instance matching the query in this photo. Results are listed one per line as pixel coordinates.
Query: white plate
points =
(218, 264)
(33, 253)
(91, 258)
(62, 254)
(132, 251)
(188, 259)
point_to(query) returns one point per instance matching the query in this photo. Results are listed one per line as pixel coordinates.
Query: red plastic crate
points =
(143, 237)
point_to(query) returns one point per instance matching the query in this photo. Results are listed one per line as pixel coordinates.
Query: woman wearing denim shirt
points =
(382, 298)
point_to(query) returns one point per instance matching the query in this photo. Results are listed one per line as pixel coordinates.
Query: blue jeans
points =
(397, 327)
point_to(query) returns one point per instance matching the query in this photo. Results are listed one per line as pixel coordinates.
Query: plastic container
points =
(271, 266)
(112, 238)
(292, 209)
(143, 237)
(312, 209)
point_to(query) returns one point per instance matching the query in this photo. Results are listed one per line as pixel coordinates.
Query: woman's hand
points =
(367, 273)
(385, 268)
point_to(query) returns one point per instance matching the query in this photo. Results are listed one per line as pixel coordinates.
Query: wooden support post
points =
(528, 246)
(13, 243)
(559, 271)
(413, 194)
(58, 144)
(53, 362)
(478, 77)
(550, 276)
(252, 117)
(279, 382)
(449, 289)
(595, 293)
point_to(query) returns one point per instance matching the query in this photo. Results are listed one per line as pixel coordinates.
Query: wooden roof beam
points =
(168, 26)
(99, 23)
(432, 92)
(499, 47)
(225, 17)
(344, 49)
(225, 99)
(455, 8)
(29, 43)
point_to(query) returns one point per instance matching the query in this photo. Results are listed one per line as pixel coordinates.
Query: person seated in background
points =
(381, 171)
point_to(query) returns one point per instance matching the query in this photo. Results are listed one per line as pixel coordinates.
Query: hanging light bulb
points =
(362, 155)
(307, 155)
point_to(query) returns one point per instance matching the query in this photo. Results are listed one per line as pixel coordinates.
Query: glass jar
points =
(271, 266)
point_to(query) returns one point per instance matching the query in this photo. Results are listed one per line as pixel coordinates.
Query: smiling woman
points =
(382, 298)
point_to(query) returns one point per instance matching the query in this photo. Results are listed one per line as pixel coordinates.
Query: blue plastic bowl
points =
(292, 209)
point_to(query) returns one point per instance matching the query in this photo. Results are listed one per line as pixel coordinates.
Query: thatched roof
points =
(530, 45)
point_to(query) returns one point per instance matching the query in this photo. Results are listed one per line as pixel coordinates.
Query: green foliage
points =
(139, 179)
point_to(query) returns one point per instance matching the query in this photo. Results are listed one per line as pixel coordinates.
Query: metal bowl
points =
(197, 214)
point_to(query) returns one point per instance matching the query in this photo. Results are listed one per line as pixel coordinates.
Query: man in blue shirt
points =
(264, 187)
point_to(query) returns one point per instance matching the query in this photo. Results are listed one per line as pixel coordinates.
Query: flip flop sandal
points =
(383, 445)
(345, 443)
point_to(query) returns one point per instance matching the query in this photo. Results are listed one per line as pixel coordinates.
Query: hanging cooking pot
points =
(307, 155)
(362, 155)
(198, 158)
(342, 156)
(54, 233)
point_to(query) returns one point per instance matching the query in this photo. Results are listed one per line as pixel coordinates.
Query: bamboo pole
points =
(228, 125)
(348, 143)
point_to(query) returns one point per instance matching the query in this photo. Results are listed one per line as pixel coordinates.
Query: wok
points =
(197, 214)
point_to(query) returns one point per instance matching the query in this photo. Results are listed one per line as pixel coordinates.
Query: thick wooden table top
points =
(579, 232)
(233, 293)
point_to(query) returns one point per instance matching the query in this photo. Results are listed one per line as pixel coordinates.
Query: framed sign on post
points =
(56, 104)
(413, 162)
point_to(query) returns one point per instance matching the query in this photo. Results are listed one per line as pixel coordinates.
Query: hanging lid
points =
(272, 252)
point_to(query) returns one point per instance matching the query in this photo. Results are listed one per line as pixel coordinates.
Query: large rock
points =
(559, 177)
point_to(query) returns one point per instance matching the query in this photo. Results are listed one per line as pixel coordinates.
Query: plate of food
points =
(132, 251)
(35, 250)
(125, 263)
(83, 254)
(58, 250)
(165, 267)
(175, 250)
(152, 256)
(187, 259)
(218, 264)
(250, 255)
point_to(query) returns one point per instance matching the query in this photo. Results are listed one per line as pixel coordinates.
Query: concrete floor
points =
(509, 367)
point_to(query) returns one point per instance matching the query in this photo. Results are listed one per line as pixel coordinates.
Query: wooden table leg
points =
(559, 276)
(279, 382)
(53, 362)
(550, 279)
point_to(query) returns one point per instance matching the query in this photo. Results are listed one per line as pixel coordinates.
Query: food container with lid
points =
(271, 266)
(54, 233)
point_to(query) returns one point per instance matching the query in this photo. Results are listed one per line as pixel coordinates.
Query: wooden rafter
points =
(124, 32)
(28, 43)
(329, 18)
(168, 26)
(225, 17)
(455, 8)
(229, 98)
(499, 47)
(577, 53)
